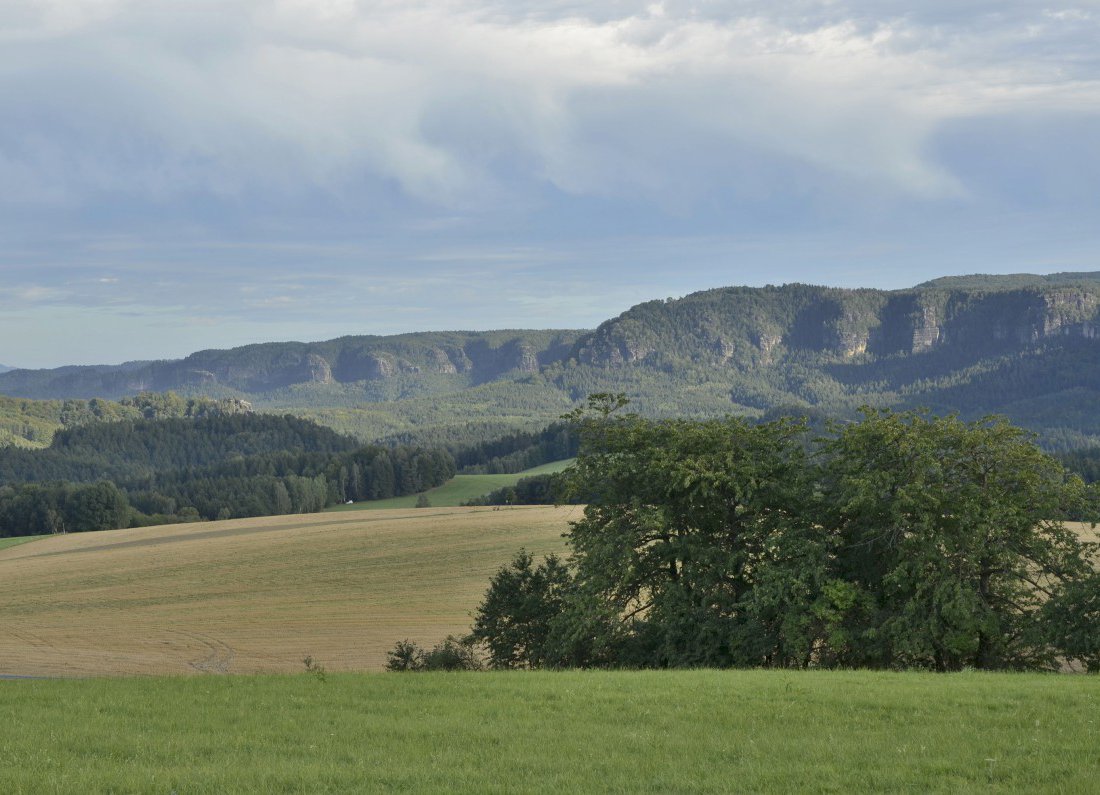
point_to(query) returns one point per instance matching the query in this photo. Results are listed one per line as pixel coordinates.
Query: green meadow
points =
(684, 731)
(11, 542)
(457, 490)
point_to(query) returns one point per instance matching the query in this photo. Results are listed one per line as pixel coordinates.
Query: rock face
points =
(1070, 312)
(440, 362)
(926, 330)
(731, 330)
(525, 359)
(317, 369)
(746, 328)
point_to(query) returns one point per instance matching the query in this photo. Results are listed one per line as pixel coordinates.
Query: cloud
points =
(25, 295)
(471, 104)
(247, 167)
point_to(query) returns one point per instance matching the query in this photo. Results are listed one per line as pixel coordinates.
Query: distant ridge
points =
(1023, 345)
(462, 357)
(1009, 281)
(5, 369)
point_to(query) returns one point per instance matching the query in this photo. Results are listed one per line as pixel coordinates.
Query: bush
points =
(453, 654)
(515, 620)
(404, 656)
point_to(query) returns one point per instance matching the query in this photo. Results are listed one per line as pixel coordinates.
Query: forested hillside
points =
(1022, 345)
(147, 471)
(32, 423)
(382, 368)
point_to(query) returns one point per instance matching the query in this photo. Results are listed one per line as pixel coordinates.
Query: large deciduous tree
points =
(949, 539)
(685, 519)
(900, 540)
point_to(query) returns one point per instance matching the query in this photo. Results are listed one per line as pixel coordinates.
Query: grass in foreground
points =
(457, 490)
(687, 731)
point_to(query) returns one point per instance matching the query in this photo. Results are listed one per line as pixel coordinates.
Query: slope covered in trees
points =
(145, 471)
(32, 423)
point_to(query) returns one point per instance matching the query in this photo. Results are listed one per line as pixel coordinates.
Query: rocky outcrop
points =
(723, 349)
(440, 362)
(766, 342)
(734, 329)
(926, 330)
(524, 358)
(607, 348)
(746, 328)
(379, 365)
(461, 362)
(1071, 313)
(317, 369)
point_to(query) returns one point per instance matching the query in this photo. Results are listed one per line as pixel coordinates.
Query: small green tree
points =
(422, 501)
(404, 656)
(515, 619)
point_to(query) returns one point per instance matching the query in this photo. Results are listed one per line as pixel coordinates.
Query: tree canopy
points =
(900, 540)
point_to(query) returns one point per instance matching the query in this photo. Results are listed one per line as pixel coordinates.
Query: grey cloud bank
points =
(216, 173)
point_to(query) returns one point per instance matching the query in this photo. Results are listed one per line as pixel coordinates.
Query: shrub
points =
(452, 654)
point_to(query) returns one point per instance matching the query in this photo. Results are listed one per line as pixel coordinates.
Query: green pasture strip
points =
(546, 469)
(457, 490)
(685, 731)
(11, 542)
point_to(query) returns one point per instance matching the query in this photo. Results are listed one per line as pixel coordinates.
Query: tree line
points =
(32, 423)
(140, 472)
(547, 489)
(1085, 462)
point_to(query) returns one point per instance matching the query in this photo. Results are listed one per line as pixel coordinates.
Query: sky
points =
(180, 176)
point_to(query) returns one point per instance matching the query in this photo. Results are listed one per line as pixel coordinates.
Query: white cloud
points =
(458, 103)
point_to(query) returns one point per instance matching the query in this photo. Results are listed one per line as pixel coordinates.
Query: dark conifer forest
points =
(137, 472)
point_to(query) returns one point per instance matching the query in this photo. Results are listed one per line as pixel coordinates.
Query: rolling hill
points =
(256, 595)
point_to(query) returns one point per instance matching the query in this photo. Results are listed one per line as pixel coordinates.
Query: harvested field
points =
(1085, 531)
(256, 595)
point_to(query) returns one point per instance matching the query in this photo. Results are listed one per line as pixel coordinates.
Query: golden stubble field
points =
(256, 595)
(1086, 532)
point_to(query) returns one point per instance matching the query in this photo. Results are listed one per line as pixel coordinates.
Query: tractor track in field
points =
(32, 640)
(218, 657)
